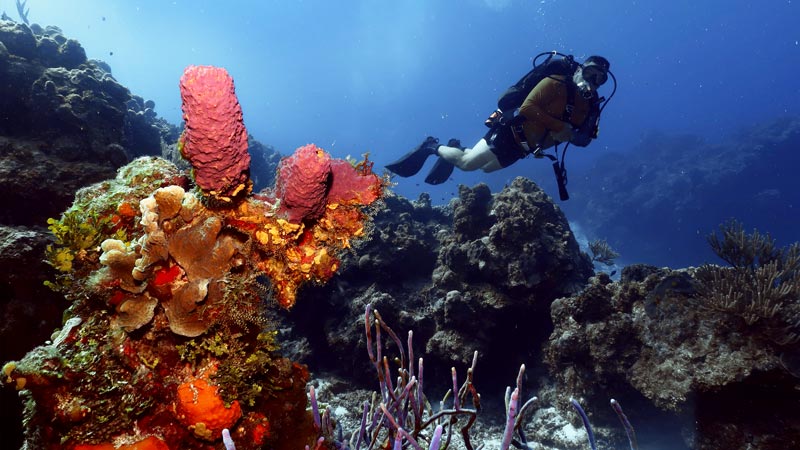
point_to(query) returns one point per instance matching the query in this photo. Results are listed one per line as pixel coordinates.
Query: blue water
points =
(377, 76)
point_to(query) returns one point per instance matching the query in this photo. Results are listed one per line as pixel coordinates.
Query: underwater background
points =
(368, 76)
(703, 128)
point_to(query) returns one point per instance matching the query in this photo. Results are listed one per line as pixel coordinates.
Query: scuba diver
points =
(556, 102)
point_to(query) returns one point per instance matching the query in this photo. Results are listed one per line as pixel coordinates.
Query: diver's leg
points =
(443, 168)
(492, 165)
(477, 157)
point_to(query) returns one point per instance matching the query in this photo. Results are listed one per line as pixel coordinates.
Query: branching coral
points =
(746, 251)
(762, 288)
(602, 252)
(401, 411)
(23, 11)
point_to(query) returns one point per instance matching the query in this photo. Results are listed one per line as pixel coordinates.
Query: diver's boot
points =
(412, 162)
(442, 170)
(455, 143)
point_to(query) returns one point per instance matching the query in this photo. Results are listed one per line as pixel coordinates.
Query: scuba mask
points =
(589, 78)
(594, 74)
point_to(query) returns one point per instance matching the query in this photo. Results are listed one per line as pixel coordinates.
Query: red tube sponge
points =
(215, 139)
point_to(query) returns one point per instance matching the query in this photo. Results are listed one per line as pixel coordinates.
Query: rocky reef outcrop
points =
(69, 122)
(694, 364)
(479, 274)
(668, 345)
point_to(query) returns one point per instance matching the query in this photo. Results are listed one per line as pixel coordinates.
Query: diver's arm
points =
(534, 108)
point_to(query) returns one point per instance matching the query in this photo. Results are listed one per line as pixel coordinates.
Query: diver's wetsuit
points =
(543, 110)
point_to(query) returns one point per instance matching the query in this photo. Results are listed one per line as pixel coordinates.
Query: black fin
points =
(440, 173)
(412, 162)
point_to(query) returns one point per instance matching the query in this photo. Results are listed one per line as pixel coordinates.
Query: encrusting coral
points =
(167, 342)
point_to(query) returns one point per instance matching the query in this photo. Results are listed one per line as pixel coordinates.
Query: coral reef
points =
(58, 94)
(170, 335)
(72, 125)
(167, 341)
(660, 341)
(657, 337)
(508, 257)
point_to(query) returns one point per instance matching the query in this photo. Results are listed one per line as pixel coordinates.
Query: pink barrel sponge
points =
(302, 183)
(215, 139)
(310, 180)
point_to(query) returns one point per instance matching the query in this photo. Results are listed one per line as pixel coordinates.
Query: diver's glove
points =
(565, 135)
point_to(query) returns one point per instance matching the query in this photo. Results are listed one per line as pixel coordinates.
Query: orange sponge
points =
(201, 408)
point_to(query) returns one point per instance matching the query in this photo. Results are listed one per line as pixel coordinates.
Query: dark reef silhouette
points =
(657, 202)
